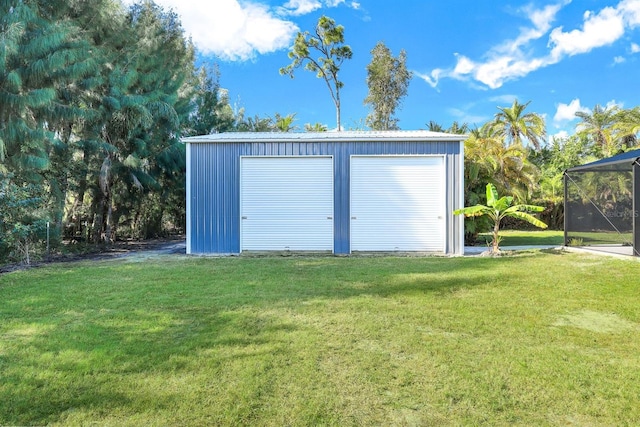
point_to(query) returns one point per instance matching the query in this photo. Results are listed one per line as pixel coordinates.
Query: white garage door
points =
(397, 203)
(287, 203)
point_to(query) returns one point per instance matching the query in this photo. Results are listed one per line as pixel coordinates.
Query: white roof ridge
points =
(395, 135)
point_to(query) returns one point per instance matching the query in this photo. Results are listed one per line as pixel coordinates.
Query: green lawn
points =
(523, 238)
(530, 339)
(600, 238)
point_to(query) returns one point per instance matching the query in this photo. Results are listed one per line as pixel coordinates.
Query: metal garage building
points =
(335, 192)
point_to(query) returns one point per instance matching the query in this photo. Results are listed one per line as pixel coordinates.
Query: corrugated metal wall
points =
(213, 207)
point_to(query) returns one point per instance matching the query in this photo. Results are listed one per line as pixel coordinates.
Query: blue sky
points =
(468, 56)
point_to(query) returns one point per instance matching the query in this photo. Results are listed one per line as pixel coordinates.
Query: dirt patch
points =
(596, 322)
(134, 249)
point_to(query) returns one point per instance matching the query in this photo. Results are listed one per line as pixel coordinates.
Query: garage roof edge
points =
(344, 136)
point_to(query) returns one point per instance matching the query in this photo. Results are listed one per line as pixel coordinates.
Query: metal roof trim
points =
(344, 136)
(630, 157)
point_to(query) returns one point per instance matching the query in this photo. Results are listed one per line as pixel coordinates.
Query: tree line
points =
(95, 96)
(92, 100)
(513, 152)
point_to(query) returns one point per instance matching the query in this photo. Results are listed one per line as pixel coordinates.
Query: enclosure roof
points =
(333, 136)
(620, 162)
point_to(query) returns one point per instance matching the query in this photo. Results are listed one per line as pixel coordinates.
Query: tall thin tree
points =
(388, 81)
(328, 41)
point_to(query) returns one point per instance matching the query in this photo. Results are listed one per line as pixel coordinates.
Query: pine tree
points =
(141, 113)
(388, 81)
(211, 110)
(77, 79)
(43, 63)
(26, 66)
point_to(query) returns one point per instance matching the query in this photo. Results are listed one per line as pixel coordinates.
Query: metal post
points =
(48, 253)
(636, 208)
(565, 179)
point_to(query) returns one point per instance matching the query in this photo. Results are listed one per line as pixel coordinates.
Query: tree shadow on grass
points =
(120, 366)
(115, 355)
(337, 278)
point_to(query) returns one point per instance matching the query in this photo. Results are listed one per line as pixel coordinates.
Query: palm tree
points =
(458, 128)
(455, 127)
(434, 126)
(499, 208)
(284, 123)
(628, 126)
(488, 160)
(598, 126)
(514, 126)
(254, 124)
(316, 127)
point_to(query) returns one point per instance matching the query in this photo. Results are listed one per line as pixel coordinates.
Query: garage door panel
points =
(313, 208)
(288, 236)
(287, 203)
(397, 203)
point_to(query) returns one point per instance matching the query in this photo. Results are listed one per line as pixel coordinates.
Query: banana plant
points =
(498, 208)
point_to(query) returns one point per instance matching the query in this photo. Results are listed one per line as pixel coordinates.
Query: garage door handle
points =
(329, 217)
(353, 217)
(244, 217)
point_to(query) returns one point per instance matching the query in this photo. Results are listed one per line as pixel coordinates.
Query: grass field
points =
(554, 237)
(530, 339)
(524, 238)
(602, 238)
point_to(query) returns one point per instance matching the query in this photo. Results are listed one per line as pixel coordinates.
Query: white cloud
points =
(238, 30)
(464, 117)
(611, 104)
(503, 99)
(302, 7)
(619, 60)
(635, 48)
(308, 6)
(496, 72)
(507, 60)
(464, 66)
(559, 136)
(232, 30)
(567, 112)
(516, 58)
(631, 11)
(541, 20)
(432, 78)
(598, 30)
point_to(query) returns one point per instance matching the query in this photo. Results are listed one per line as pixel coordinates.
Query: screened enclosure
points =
(601, 204)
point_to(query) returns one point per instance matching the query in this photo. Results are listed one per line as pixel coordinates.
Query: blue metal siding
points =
(342, 219)
(215, 206)
(215, 186)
